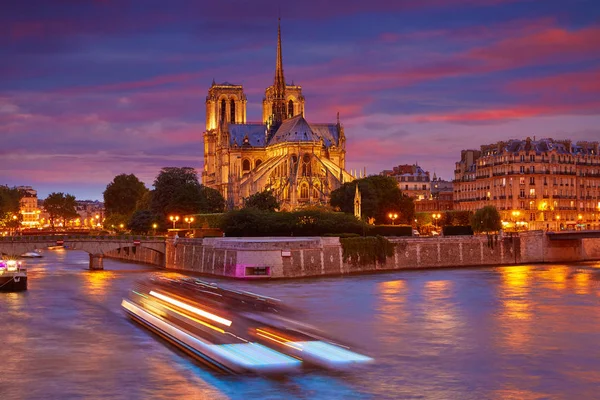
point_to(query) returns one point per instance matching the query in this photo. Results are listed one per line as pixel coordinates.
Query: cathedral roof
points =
(297, 129)
(254, 132)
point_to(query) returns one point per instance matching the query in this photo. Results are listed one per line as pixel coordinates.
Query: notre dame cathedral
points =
(301, 162)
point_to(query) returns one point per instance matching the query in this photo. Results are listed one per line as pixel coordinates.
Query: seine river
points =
(523, 332)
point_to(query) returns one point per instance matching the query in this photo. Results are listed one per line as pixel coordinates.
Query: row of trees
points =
(127, 201)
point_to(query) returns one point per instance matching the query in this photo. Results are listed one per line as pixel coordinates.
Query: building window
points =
(290, 109)
(257, 163)
(522, 193)
(246, 165)
(532, 192)
(232, 110)
(223, 111)
(304, 191)
(522, 180)
(522, 169)
(532, 157)
(522, 158)
(424, 187)
(532, 180)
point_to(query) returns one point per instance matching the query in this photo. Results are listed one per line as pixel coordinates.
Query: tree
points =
(486, 219)
(264, 200)
(211, 200)
(116, 222)
(145, 202)
(141, 221)
(380, 195)
(123, 193)
(177, 191)
(60, 205)
(10, 204)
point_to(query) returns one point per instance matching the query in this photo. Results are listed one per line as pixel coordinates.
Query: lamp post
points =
(154, 226)
(393, 217)
(189, 221)
(557, 222)
(174, 219)
(515, 215)
(436, 217)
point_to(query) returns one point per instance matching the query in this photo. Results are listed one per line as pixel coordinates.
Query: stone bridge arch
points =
(96, 247)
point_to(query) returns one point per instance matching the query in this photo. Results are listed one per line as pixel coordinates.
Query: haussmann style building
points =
(300, 161)
(535, 184)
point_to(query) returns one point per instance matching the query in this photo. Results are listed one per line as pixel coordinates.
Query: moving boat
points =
(237, 331)
(31, 254)
(13, 277)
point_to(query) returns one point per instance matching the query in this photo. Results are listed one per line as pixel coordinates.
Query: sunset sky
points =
(93, 89)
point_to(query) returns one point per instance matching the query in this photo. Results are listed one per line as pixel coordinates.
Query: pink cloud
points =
(552, 44)
(572, 82)
(511, 113)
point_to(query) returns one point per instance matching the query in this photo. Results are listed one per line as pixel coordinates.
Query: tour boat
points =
(236, 330)
(13, 277)
(31, 254)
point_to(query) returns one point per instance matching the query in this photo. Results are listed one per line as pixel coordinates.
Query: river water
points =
(522, 332)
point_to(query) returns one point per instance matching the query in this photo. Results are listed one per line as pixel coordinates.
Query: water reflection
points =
(523, 332)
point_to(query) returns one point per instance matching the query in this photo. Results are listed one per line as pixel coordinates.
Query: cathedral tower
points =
(225, 103)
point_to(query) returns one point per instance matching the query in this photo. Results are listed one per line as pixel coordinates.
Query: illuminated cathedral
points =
(301, 162)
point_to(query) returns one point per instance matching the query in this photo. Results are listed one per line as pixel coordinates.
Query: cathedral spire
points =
(279, 106)
(279, 84)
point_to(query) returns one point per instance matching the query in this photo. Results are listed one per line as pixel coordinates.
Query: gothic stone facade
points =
(301, 162)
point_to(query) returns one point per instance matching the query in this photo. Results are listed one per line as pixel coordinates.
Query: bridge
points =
(573, 235)
(95, 246)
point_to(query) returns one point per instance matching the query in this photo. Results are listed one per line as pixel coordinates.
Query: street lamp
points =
(436, 217)
(174, 219)
(515, 215)
(154, 226)
(189, 221)
(393, 217)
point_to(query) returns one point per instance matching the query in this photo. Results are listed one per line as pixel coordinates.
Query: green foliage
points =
(380, 195)
(208, 220)
(114, 221)
(457, 218)
(253, 222)
(486, 219)
(60, 205)
(264, 200)
(177, 191)
(122, 194)
(211, 200)
(390, 230)
(141, 222)
(10, 202)
(145, 202)
(456, 230)
(366, 250)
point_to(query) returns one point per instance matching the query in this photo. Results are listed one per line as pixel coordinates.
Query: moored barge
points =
(13, 277)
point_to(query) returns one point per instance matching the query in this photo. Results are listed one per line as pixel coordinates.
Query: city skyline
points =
(94, 90)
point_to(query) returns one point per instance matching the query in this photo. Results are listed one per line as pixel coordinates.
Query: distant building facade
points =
(29, 207)
(539, 184)
(442, 197)
(91, 213)
(301, 162)
(412, 180)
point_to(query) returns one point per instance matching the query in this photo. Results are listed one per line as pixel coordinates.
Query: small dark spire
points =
(213, 82)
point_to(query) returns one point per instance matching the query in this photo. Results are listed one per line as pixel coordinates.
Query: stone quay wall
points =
(299, 257)
(140, 255)
(321, 256)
